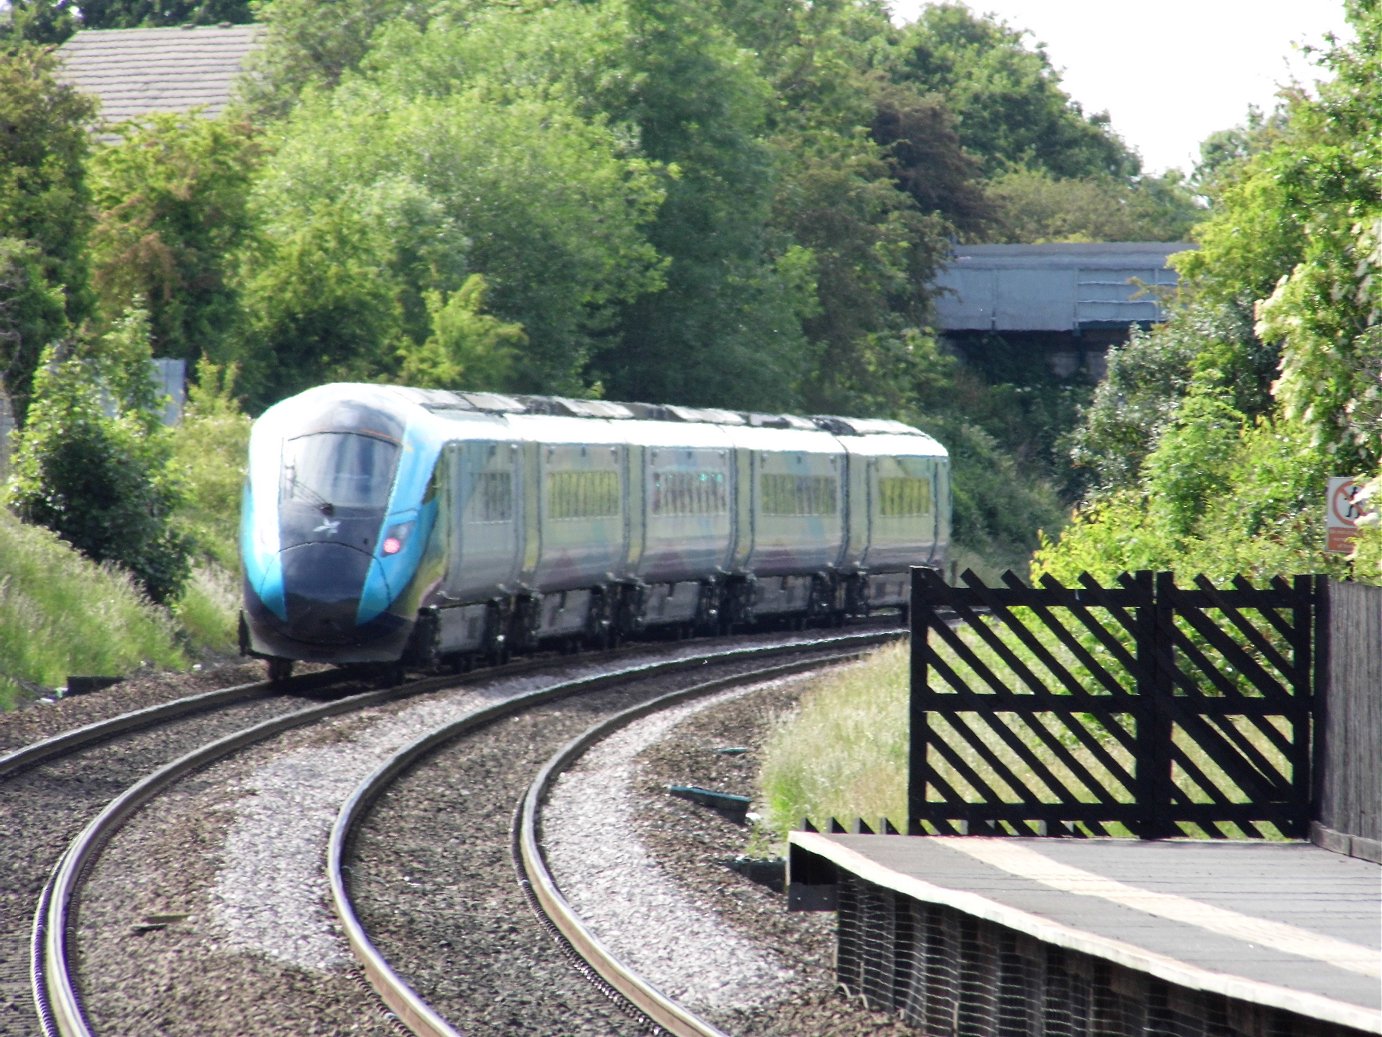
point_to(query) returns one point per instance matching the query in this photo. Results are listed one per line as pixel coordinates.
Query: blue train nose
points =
(322, 585)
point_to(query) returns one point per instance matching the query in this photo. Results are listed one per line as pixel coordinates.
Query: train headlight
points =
(396, 538)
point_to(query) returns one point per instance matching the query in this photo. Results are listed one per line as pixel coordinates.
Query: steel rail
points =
(103, 730)
(405, 1002)
(56, 997)
(644, 996)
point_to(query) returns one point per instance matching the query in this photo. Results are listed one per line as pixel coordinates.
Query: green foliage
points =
(1142, 388)
(209, 451)
(52, 599)
(1037, 207)
(103, 483)
(37, 21)
(306, 49)
(132, 14)
(724, 328)
(319, 307)
(1008, 105)
(467, 346)
(1326, 315)
(1191, 462)
(32, 314)
(1223, 153)
(44, 205)
(425, 168)
(1218, 496)
(173, 202)
(1241, 424)
(999, 507)
(927, 161)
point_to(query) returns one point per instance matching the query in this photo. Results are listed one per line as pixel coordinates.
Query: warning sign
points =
(1343, 512)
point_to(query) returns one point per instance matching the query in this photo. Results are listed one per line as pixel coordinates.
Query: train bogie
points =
(384, 524)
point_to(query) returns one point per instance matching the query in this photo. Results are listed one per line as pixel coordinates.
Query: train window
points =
(690, 493)
(904, 496)
(582, 495)
(491, 498)
(342, 469)
(799, 494)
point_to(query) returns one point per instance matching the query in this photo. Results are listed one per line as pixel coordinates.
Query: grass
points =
(208, 609)
(843, 752)
(61, 614)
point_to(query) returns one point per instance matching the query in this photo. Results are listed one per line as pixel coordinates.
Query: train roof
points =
(456, 402)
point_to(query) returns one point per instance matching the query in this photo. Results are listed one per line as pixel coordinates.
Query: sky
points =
(1169, 73)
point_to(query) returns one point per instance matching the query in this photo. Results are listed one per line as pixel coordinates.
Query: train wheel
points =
(279, 669)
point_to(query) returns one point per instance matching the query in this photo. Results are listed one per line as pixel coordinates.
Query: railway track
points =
(185, 907)
(54, 785)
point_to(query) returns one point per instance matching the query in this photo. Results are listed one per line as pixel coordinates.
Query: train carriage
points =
(392, 525)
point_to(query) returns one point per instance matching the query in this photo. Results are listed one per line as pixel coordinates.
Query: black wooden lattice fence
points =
(1162, 710)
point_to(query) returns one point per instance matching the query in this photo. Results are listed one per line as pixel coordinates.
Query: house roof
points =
(133, 72)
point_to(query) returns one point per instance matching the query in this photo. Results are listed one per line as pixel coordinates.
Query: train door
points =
(486, 507)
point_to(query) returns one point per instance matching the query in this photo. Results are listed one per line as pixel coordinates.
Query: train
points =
(391, 526)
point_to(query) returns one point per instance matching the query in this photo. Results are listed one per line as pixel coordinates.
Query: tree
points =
(303, 49)
(467, 346)
(131, 14)
(436, 161)
(1326, 313)
(103, 483)
(44, 204)
(41, 22)
(322, 304)
(32, 314)
(929, 163)
(1141, 391)
(1036, 207)
(726, 328)
(1224, 152)
(1008, 105)
(172, 198)
(1268, 377)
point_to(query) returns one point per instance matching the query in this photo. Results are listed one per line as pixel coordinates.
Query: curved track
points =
(57, 992)
(634, 997)
(54, 785)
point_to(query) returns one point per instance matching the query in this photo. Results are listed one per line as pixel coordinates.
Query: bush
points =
(103, 483)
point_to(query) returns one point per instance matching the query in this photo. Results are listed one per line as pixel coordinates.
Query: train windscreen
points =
(340, 469)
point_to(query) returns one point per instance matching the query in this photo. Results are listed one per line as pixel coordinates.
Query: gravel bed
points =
(435, 886)
(723, 944)
(45, 717)
(44, 807)
(219, 887)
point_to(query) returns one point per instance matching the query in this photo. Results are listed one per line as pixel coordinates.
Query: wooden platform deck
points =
(1285, 926)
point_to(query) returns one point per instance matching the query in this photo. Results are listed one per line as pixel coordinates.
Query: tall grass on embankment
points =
(62, 614)
(843, 755)
(843, 752)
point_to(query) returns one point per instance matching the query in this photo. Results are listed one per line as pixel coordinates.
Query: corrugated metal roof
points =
(134, 72)
(1060, 287)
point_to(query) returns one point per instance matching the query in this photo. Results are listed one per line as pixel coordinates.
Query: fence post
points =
(917, 767)
(1307, 592)
(1156, 662)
